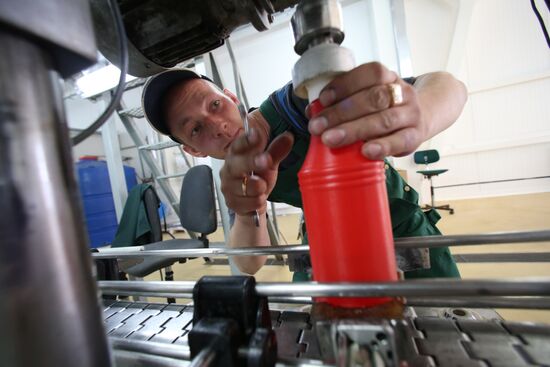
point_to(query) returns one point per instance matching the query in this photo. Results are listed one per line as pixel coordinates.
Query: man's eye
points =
(196, 130)
(216, 103)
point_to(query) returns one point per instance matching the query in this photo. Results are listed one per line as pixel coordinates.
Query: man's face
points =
(205, 119)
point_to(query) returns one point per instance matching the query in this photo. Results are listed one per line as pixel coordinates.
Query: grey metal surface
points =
(420, 340)
(408, 288)
(409, 242)
(48, 302)
(40, 21)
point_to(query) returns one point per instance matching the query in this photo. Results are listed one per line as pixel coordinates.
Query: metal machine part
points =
(357, 342)
(49, 309)
(162, 34)
(317, 21)
(40, 20)
(421, 338)
(318, 32)
(407, 242)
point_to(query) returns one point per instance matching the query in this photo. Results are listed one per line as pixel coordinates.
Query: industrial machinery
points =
(50, 314)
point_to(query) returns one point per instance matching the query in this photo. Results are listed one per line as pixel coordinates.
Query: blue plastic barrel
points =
(97, 199)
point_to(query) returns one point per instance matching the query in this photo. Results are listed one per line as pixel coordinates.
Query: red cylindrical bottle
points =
(347, 217)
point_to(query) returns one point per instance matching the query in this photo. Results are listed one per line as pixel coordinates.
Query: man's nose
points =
(219, 128)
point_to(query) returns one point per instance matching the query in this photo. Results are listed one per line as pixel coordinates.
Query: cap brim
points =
(155, 90)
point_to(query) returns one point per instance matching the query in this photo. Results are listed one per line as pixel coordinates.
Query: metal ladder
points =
(146, 153)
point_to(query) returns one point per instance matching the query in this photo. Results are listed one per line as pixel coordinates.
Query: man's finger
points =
(246, 144)
(400, 143)
(362, 103)
(278, 150)
(370, 127)
(362, 77)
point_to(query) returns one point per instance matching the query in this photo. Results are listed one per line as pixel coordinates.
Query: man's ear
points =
(192, 151)
(230, 94)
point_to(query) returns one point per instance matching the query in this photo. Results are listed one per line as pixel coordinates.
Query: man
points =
(358, 107)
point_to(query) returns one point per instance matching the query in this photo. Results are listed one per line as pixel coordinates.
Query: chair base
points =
(440, 207)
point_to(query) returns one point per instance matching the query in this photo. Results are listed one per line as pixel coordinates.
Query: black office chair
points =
(197, 214)
(426, 157)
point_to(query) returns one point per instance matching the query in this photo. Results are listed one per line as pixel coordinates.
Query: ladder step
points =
(159, 146)
(170, 176)
(136, 112)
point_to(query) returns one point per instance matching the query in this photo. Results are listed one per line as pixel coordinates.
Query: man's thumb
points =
(280, 147)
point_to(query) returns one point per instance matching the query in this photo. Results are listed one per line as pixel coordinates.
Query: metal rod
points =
(148, 347)
(409, 288)
(473, 239)
(518, 257)
(407, 242)
(49, 310)
(533, 303)
(124, 358)
(205, 357)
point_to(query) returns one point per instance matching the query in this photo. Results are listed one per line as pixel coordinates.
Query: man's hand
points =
(246, 154)
(358, 107)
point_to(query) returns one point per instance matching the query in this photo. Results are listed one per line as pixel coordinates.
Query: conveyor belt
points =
(425, 338)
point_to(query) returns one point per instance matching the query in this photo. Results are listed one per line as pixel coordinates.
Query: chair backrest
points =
(426, 156)
(152, 203)
(197, 201)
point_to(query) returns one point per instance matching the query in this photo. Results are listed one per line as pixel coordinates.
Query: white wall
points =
(497, 48)
(265, 60)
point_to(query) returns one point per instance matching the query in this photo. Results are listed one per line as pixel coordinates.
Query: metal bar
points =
(473, 239)
(409, 288)
(148, 347)
(201, 252)
(204, 358)
(125, 358)
(408, 242)
(164, 177)
(533, 303)
(159, 146)
(49, 310)
(522, 257)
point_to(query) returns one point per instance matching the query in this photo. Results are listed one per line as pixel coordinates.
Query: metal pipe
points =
(148, 347)
(409, 288)
(49, 310)
(205, 358)
(125, 358)
(532, 303)
(408, 242)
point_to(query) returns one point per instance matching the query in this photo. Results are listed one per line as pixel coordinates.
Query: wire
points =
(115, 100)
(541, 21)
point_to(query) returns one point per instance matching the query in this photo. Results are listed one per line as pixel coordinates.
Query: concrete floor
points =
(510, 213)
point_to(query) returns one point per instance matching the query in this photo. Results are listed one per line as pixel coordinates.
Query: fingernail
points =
(334, 137)
(317, 125)
(372, 151)
(260, 161)
(327, 97)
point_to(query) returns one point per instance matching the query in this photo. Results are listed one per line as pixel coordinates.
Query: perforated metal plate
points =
(425, 340)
